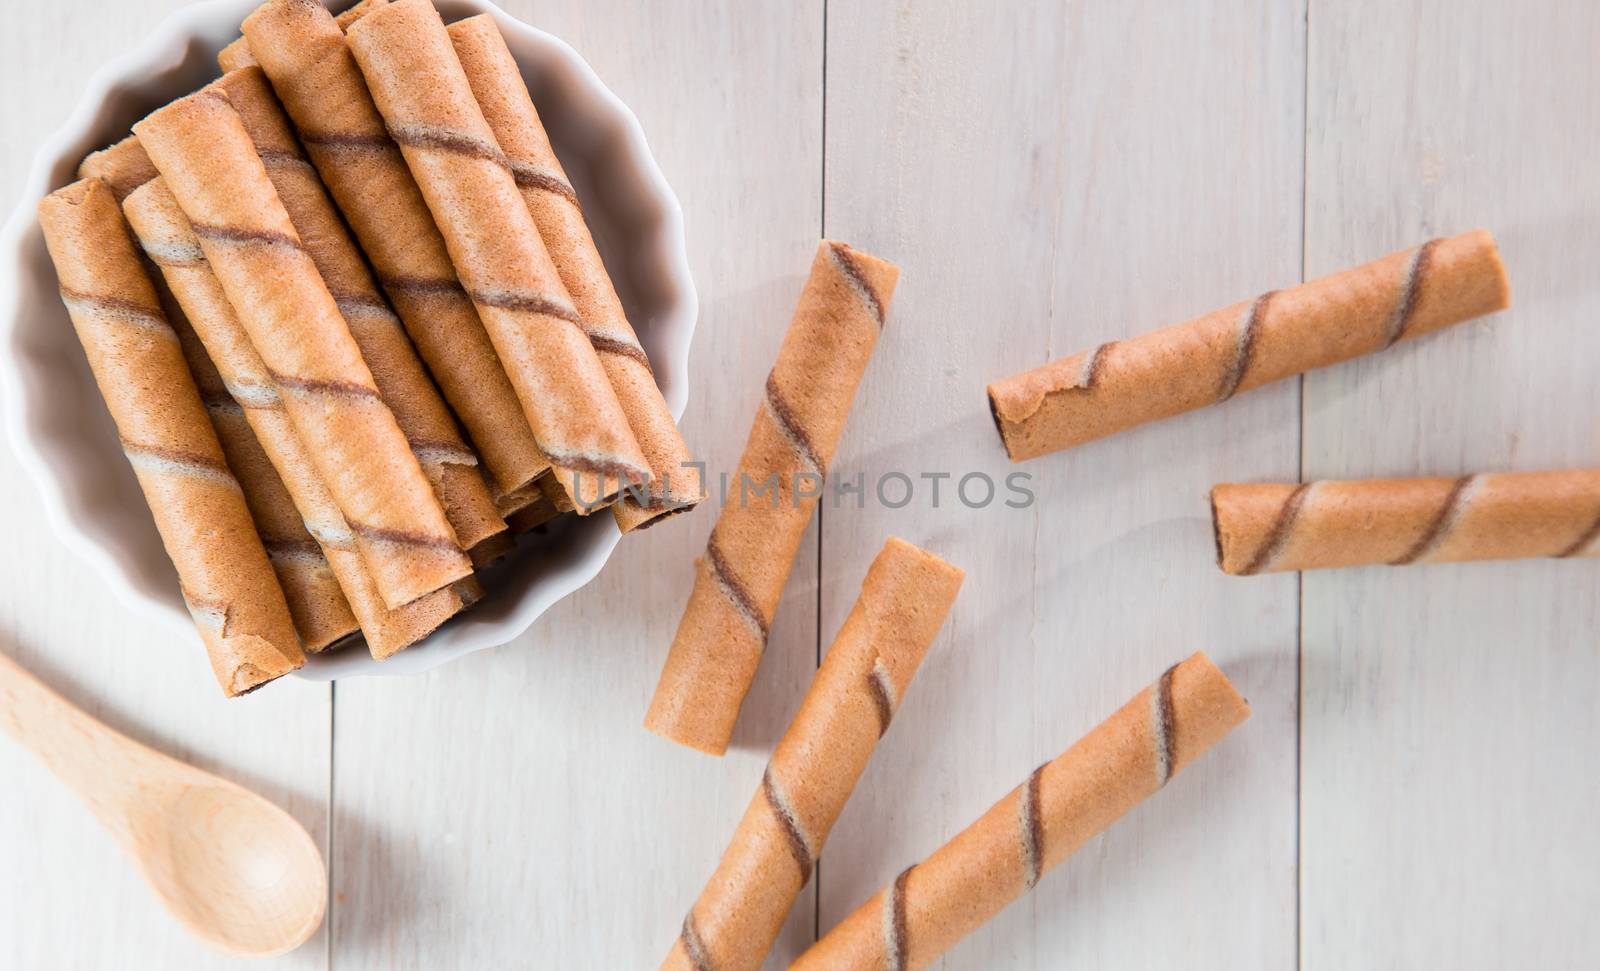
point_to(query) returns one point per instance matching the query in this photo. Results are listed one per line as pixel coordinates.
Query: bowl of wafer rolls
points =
(347, 340)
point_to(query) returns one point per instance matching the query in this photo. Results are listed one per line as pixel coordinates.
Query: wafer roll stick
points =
(739, 581)
(316, 603)
(1208, 360)
(227, 580)
(304, 54)
(1275, 527)
(497, 83)
(903, 602)
(418, 85)
(1066, 802)
(169, 239)
(449, 464)
(202, 150)
(123, 166)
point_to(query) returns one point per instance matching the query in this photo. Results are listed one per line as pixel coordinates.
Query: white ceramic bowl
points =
(64, 437)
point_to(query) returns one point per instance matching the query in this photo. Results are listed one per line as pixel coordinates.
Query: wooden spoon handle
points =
(94, 761)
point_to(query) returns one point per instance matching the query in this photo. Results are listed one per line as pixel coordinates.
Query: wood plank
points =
(69, 900)
(1450, 712)
(1050, 180)
(512, 800)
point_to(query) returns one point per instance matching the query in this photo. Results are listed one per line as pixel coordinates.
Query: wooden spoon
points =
(235, 870)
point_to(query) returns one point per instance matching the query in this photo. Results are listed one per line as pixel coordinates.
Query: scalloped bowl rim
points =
(672, 329)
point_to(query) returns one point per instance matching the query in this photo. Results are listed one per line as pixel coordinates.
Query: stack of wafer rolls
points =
(497, 83)
(417, 83)
(316, 601)
(1119, 385)
(449, 464)
(227, 580)
(740, 580)
(1063, 804)
(303, 53)
(202, 150)
(904, 600)
(1275, 527)
(168, 237)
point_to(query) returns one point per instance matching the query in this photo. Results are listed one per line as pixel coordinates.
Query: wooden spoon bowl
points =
(234, 869)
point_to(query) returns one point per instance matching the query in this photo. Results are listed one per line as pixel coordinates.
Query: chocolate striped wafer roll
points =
(304, 54)
(903, 602)
(316, 603)
(417, 83)
(200, 146)
(169, 239)
(238, 55)
(1119, 385)
(227, 580)
(449, 464)
(123, 166)
(1066, 802)
(497, 83)
(739, 581)
(1272, 527)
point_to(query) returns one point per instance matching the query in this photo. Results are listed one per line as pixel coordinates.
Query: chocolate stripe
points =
(174, 456)
(1583, 541)
(580, 462)
(621, 348)
(531, 177)
(278, 156)
(361, 303)
(1282, 528)
(117, 307)
(1410, 293)
(852, 271)
(404, 537)
(348, 389)
(881, 690)
(445, 140)
(733, 587)
(173, 253)
(422, 286)
(896, 943)
(694, 947)
(1166, 718)
(239, 235)
(348, 140)
(532, 303)
(1032, 830)
(1245, 349)
(1094, 367)
(793, 837)
(789, 424)
(1439, 527)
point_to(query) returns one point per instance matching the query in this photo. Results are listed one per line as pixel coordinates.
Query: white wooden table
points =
(1417, 787)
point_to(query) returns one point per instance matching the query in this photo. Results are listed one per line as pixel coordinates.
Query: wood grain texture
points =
(1450, 712)
(1048, 181)
(69, 899)
(1048, 178)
